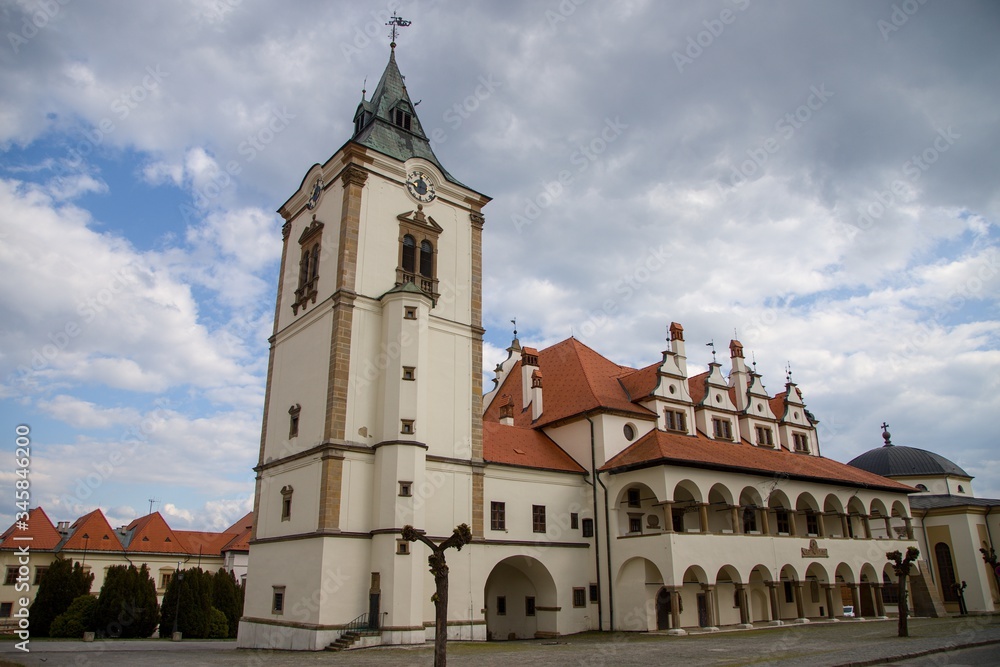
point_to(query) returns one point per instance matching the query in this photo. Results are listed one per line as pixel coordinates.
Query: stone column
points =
(821, 524)
(703, 516)
(879, 602)
(772, 592)
(713, 622)
(829, 601)
(856, 599)
(668, 511)
(844, 525)
(793, 516)
(734, 513)
(800, 608)
(741, 596)
(909, 527)
(866, 520)
(888, 526)
(675, 609)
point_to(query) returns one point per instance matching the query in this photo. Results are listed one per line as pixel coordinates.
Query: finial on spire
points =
(788, 371)
(886, 435)
(364, 89)
(712, 345)
(753, 358)
(396, 23)
(514, 322)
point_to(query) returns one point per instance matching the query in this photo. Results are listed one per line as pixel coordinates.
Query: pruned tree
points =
(127, 605)
(439, 568)
(62, 583)
(901, 566)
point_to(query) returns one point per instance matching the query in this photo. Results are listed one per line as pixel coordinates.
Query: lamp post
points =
(177, 609)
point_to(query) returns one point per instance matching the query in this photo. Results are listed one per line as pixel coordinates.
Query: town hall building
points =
(599, 497)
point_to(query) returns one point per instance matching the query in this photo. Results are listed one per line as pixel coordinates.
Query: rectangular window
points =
(409, 373)
(293, 421)
(722, 428)
(812, 524)
(501, 605)
(781, 516)
(574, 520)
(39, 573)
(579, 597)
(11, 577)
(402, 548)
(405, 489)
(801, 442)
(588, 527)
(675, 421)
(6, 609)
(406, 427)
(529, 606)
(278, 600)
(593, 592)
(498, 516)
(165, 579)
(764, 436)
(538, 519)
(789, 595)
(633, 498)
(409, 312)
(635, 523)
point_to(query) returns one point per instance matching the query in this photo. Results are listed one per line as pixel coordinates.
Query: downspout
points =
(607, 532)
(597, 548)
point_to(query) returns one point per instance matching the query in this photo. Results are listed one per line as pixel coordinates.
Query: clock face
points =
(420, 186)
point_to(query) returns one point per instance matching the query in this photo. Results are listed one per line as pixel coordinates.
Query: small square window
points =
(405, 489)
(409, 312)
(588, 527)
(579, 597)
(409, 373)
(801, 442)
(11, 578)
(529, 606)
(406, 427)
(501, 605)
(593, 593)
(402, 548)
(574, 520)
(6, 609)
(39, 573)
(498, 516)
(278, 600)
(634, 523)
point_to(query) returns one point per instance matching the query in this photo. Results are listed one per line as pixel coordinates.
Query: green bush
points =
(195, 591)
(218, 624)
(127, 605)
(64, 582)
(76, 620)
(227, 598)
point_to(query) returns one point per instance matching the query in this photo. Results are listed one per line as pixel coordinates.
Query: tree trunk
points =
(441, 614)
(904, 630)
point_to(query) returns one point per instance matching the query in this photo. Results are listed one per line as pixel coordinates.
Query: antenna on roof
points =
(396, 23)
(712, 345)
(151, 501)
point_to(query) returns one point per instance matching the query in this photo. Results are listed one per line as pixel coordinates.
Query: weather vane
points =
(514, 322)
(712, 345)
(396, 22)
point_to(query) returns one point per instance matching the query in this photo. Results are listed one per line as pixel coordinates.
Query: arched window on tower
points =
(310, 242)
(426, 259)
(409, 254)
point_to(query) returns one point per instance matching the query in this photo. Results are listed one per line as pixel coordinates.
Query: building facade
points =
(598, 496)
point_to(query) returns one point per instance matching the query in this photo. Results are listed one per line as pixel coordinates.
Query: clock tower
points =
(373, 407)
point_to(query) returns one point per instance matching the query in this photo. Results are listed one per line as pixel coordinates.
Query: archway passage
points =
(520, 600)
(663, 609)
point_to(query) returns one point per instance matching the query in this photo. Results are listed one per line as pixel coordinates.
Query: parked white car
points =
(848, 611)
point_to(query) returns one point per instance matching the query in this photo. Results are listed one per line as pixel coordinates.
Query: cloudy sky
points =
(820, 178)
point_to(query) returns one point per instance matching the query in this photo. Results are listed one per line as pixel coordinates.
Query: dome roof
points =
(890, 461)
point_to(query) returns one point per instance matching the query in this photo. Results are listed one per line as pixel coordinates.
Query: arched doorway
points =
(663, 609)
(946, 568)
(520, 600)
(636, 588)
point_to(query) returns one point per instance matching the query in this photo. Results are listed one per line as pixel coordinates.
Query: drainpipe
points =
(597, 548)
(607, 531)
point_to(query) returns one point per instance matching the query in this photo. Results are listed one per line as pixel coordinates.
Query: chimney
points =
(738, 378)
(506, 410)
(677, 346)
(529, 363)
(536, 394)
(63, 527)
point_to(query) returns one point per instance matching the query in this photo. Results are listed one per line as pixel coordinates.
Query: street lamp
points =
(177, 609)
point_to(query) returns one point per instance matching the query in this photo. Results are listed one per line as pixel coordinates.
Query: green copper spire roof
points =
(388, 122)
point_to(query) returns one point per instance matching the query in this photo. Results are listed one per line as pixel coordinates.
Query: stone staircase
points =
(357, 630)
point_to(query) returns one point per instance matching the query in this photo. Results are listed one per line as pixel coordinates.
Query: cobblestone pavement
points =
(812, 645)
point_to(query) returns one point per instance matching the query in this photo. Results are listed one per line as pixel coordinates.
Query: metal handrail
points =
(364, 622)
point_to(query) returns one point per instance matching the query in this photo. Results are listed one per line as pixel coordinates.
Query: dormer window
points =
(401, 118)
(722, 429)
(359, 122)
(764, 436)
(674, 421)
(800, 442)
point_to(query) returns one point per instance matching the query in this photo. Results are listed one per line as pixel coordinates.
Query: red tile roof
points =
(777, 404)
(151, 534)
(661, 447)
(696, 387)
(577, 379)
(202, 543)
(44, 536)
(241, 542)
(243, 524)
(92, 532)
(641, 383)
(527, 447)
